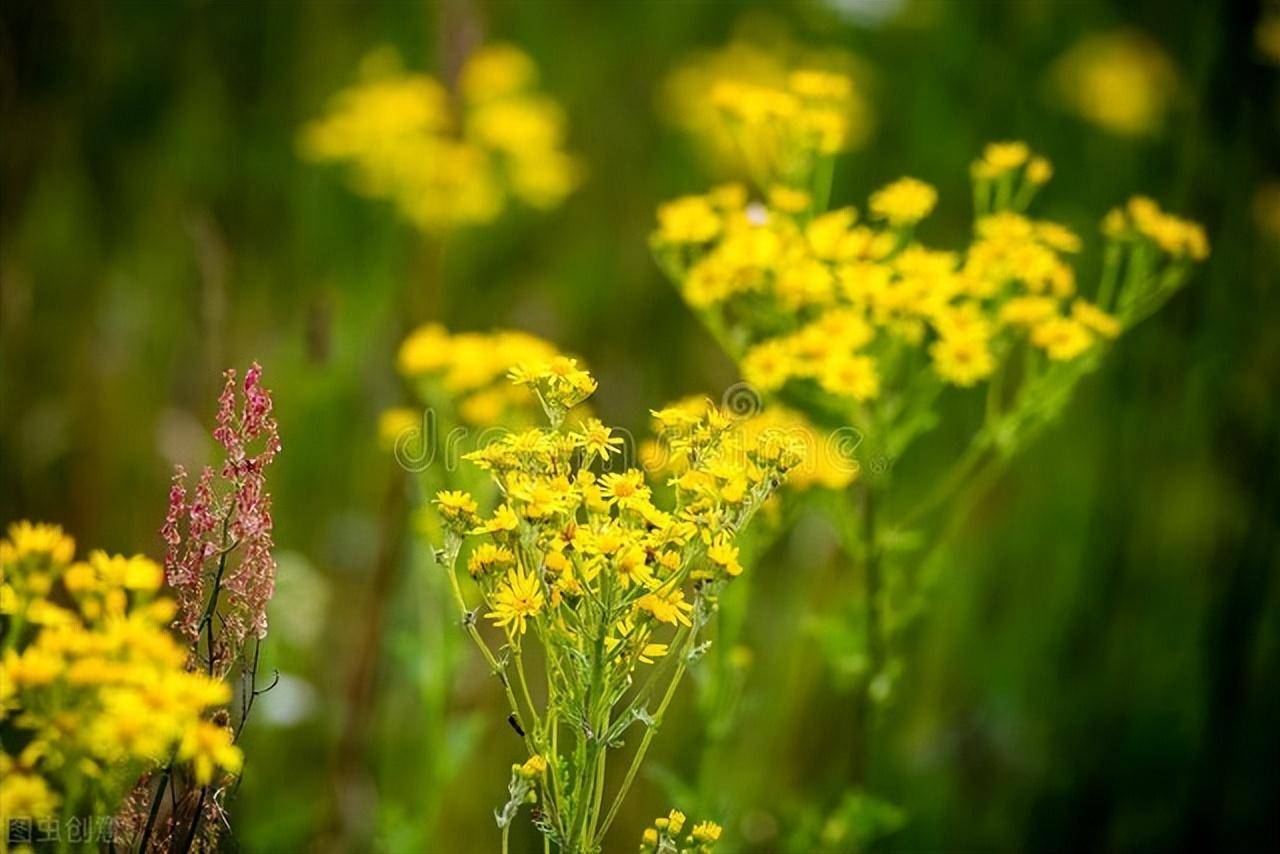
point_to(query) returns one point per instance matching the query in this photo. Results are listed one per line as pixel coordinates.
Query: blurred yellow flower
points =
(93, 679)
(396, 422)
(448, 162)
(1121, 81)
(1266, 209)
(1267, 35)
(24, 796)
(904, 202)
(962, 360)
(691, 219)
(824, 305)
(469, 370)
(767, 108)
(29, 540)
(208, 747)
(1061, 338)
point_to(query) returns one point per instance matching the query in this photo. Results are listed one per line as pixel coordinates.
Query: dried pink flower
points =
(227, 543)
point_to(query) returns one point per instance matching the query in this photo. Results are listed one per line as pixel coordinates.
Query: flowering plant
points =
(447, 162)
(220, 564)
(94, 690)
(459, 382)
(615, 591)
(98, 697)
(862, 324)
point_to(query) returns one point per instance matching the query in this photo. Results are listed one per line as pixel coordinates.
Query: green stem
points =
(602, 758)
(824, 174)
(534, 718)
(590, 771)
(963, 468)
(875, 651)
(681, 666)
(1110, 274)
(498, 669)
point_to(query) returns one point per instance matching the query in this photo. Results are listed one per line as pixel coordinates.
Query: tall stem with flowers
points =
(450, 153)
(219, 562)
(864, 326)
(580, 564)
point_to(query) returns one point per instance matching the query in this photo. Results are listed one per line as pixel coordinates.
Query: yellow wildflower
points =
(1061, 338)
(1001, 157)
(25, 796)
(1095, 319)
(851, 376)
(447, 164)
(457, 506)
(503, 519)
(1039, 170)
(962, 360)
(533, 767)
(669, 607)
(37, 540)
(725, 555)
(598, 439)
(496, 70)
(398, 422)
(1027, 311)
(487, 557)
(209, 747)
(705, 831)
(789, 199)
(519, 598)
(904, 202)
(768, 366)
(688, 220)
(1121, 81)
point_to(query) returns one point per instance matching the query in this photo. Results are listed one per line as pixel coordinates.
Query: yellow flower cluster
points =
(565, 532)
(580, 556)
(1142, 219)
(1120, 81)
(770, 110)
(560, 385)
(448, 161)
(665, 836)
(822, 300)
(94, 690)
(470, 370)
(904, 202)
(826, 460)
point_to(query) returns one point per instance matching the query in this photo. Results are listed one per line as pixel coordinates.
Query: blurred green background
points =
(1100, 666)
